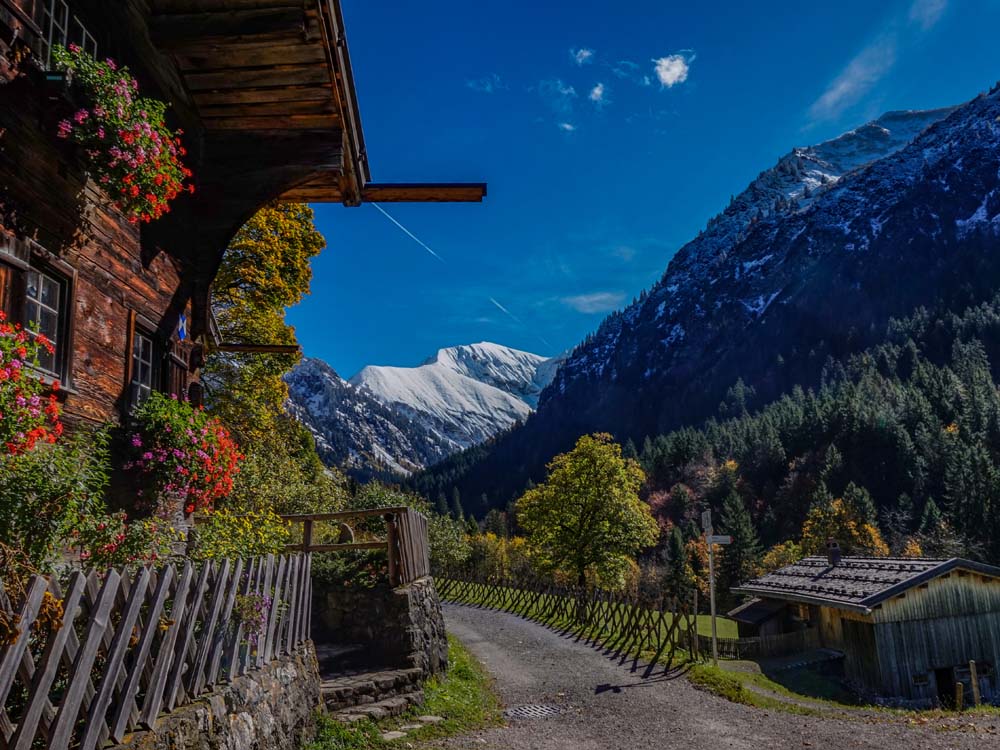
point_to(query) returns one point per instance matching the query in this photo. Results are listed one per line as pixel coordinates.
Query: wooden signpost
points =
(711, 539)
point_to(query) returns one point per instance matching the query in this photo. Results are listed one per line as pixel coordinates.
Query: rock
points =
(430, 719)
(391, 736)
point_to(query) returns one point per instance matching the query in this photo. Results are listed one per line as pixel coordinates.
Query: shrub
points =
(45, 492)
(181, 452)
(111, 541)
(27, 415)
(124, 138)
(231, 534)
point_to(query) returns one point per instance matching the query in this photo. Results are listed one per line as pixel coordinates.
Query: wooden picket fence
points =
(659, 630)
(107, 652)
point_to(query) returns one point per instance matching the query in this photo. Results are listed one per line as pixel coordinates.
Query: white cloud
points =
(624, 252)
(487, 84)
(927, 13)
(595, 302)
(857, 79)
(671, 70)
(625, 69)
(558, 95)
(582, 56)
(567, 127)
(597, 94)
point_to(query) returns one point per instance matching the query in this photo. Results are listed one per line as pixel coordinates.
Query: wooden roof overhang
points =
(265, 91)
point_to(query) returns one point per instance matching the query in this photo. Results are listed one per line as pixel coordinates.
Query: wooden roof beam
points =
(422, 192)
(189, 30)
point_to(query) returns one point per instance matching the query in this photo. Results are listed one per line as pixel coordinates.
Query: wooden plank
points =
(212, 98)
(115, 661)
(48, 667)
(225, 617)
(250, 55)
(258, 78)
(186, 636)
(12, 654)
(247, 656)
(293, 601)
(307, 622)
(230, 654)
(125, 710)
(267, 590)
(280, 583)
(337, 547)
(203, 6)
(187, 29)
(445, 192)
(196, 677)
(273, 122)
(164, 658)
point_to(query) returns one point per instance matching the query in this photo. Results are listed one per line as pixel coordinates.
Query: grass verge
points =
(464, 697)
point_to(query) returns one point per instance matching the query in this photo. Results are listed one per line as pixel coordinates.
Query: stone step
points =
(346, 690)
(382, 709)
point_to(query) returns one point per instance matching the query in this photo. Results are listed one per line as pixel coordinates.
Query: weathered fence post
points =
(974, 678)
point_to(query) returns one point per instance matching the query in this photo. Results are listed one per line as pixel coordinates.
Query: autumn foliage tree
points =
(586, 519)
(266, 270)
(836, 520)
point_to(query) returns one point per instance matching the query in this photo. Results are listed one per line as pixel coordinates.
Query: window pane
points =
(50, 292)
(46, 361)
(33, 282)
(49, 324)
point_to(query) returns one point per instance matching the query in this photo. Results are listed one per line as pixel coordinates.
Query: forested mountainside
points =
(797, 270)
(390, 421)
(909, 431)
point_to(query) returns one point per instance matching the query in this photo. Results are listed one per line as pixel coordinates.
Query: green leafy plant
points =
(111, 541)
(46, 492)
(28, 415)
(124, 138)
(227, 533)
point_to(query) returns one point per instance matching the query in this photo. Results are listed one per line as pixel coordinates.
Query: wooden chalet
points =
(264, 93)
(908, 627)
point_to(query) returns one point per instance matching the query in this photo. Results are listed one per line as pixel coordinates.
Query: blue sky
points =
(609, 133)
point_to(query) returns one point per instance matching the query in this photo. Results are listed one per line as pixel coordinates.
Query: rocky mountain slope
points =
(810, 261)
(395, 420)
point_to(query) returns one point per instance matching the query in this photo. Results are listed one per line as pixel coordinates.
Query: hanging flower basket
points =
(124, 139)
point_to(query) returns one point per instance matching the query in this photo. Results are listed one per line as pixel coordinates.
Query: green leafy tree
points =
(741, 559)
(587, 516)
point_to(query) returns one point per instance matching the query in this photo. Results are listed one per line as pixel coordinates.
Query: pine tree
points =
(860, 503)
(931, 519)
(456, 504)
(441, 504)
(676, 579)
(741, 558)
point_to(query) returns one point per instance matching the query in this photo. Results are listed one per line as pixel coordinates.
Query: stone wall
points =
(398, 628)
(273, 707)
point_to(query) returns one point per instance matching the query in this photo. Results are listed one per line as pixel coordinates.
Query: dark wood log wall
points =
(46, 196)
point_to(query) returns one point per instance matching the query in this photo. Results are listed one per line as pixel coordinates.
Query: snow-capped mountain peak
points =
(399, 419)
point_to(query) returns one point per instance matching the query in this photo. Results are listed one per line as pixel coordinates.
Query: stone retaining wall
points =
(400, 628)
(273, 707)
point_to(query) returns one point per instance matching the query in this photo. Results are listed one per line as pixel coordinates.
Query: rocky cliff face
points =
(809, 262)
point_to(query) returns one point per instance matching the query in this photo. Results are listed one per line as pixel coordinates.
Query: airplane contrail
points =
(426, 247)
(408, 233)
(506, 311)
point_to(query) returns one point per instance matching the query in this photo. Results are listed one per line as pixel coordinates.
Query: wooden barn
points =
(908, 627)
(264, 95)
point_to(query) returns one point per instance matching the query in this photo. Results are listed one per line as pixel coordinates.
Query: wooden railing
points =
(756, 647)
(404, 539)
(107, 652)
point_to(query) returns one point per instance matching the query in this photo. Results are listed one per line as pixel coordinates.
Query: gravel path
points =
(606, 706)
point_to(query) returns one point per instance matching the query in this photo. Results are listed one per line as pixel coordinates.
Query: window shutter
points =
(11, 291)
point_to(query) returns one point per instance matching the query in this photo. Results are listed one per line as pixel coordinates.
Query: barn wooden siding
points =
(944, 623)
(954, 619)
(46, 196)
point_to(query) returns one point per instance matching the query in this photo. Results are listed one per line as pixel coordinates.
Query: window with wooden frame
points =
(144, 367)
(59, 24)
(36, 290)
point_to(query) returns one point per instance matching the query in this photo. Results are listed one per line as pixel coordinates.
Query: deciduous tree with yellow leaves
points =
(835, 520)
(587, 518)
